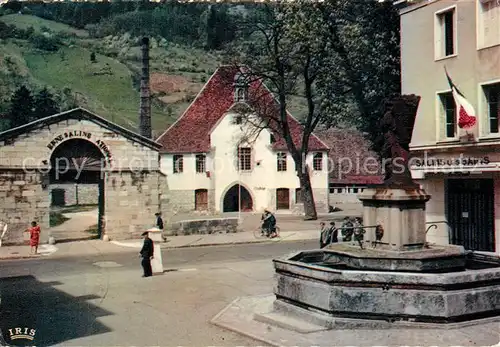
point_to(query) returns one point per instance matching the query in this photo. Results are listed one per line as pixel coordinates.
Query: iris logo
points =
(22, 334)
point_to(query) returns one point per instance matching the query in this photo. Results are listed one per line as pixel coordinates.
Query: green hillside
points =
(25, 21)
(109, 85)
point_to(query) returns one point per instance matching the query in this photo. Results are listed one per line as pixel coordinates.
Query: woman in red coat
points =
(34, 237)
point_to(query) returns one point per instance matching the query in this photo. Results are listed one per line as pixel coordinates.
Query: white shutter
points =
(438, 37)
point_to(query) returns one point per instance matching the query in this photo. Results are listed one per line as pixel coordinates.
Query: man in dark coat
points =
(159, 221)
(147, 254)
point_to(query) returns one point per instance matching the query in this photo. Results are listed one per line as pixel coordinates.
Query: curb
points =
(235, 243)
(214, 321)
(164, 246)
(51, 250)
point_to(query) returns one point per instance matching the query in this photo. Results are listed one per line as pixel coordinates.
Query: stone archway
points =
(237, 197)
(76, 178)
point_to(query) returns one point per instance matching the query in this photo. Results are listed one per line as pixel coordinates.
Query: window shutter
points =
(438, 35)
(442, 120)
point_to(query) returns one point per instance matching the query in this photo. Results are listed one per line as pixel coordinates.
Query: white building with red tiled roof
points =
(208, 166)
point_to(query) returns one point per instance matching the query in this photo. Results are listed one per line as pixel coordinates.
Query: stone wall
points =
(321, 198)
(131, 201)
(23, 200)
(181, 201)
(134, 187)
(204, 226)
(76, 194)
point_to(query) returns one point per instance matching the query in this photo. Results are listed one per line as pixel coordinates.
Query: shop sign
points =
(67, 135)
(450, 162)
(82, 135)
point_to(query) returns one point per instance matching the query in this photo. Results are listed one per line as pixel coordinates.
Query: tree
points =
(341, 55)
(281, 60)
(363, 42)
(92, 57)
(21, 107)
(44, 104)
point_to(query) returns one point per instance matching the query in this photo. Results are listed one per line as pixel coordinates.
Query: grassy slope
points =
(110, 95)
(25, 21)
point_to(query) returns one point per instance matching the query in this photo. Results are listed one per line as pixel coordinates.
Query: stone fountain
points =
(393, 276)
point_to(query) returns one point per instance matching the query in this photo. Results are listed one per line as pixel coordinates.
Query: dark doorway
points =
(201, 199)
(282, 199)
(58, 197)
(470, 212)
(76, 168)
(237, 196)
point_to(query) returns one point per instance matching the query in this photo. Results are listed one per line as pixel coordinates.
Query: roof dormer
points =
(240, 88)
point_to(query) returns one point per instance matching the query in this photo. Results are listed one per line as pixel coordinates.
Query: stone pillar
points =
(401, 214)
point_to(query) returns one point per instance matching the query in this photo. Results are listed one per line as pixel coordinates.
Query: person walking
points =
(147, 253)
(34, 237)
(334, 233)
(159, 221)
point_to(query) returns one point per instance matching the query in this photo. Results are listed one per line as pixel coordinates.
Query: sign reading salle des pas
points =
(80, 134)
(460, 161)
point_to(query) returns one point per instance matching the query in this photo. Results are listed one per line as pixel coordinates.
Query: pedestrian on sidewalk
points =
(159, 225)
(159, 221)
(147, 253)
(34, 237)
(323, 235)
(334, 233)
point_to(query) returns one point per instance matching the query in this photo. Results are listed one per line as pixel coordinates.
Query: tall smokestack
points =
(145, 108)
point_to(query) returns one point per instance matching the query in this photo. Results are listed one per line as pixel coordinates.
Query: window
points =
(281, 161)
(449, 111)
(244, 159)
(488, 25)
(318, 161)
(201, 163)
(178, 163)
(339, 190)
(445, 34)
(238, 120)
(355, 190)
(272, 139)
(298, 196)
(492, 95)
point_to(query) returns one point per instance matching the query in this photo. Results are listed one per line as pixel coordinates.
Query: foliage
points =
(13, 5)
(203, 24)
(25, 108)
(57, 218)
(45, 104)
(341, 55)
(21, 107)
(45, 42)
(362, 39)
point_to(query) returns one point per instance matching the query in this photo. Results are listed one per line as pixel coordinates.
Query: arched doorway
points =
(237, 197)
(76, 185)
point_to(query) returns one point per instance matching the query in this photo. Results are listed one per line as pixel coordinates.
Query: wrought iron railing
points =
(431, 225)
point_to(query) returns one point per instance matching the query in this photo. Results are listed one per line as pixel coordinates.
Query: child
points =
(34, 237)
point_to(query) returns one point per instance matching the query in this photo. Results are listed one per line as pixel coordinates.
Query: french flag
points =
(466, 113)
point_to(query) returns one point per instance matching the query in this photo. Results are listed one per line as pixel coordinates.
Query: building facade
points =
(73, 144)
(218, 161)
(458, 168)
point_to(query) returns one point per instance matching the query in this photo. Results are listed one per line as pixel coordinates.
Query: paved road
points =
(172, 258)
(102, 300)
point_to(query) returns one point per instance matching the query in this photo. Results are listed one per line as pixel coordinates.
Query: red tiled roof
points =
(191, 132)
(351, 160)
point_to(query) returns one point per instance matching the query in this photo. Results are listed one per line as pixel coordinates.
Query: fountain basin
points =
(433, 258)
(305, 283)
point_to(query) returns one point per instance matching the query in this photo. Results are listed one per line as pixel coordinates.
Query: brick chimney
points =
(145, 107)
